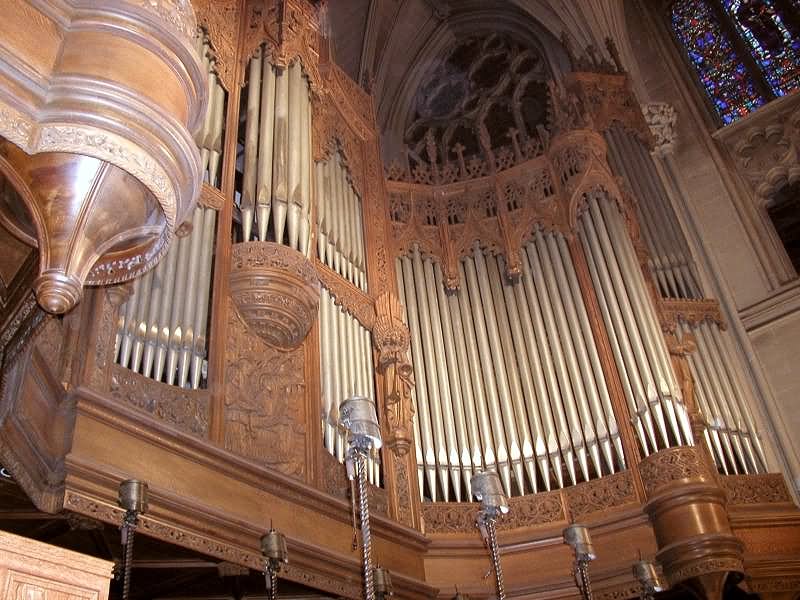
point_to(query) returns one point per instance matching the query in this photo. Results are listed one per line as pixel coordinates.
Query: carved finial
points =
(459, 150)
(513, 134)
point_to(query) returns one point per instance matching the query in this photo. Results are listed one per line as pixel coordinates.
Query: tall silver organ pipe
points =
(346, 370)
(163, 326)
(723, 393)
(507, 374)
(275, 200)
(638, 345)
(209, 137)
(340, 242)
(670, 259)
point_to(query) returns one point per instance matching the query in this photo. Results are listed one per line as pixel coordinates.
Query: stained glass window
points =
(745, 52)
(711, 51)
(773, 39)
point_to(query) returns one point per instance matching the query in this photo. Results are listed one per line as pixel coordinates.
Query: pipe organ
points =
(724, 397)
(640, 352)
(340, 242)
(531, 309)
(508, 375)
(163, 326)
(275, 197)
(209, 137)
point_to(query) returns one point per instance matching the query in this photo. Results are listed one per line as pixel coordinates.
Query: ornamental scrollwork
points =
(220, 19)
(673, 464)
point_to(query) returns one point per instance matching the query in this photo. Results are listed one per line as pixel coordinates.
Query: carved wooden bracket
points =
(220, 19)
(692, 312)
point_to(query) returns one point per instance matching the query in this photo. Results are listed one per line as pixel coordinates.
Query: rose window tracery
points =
(485, 101)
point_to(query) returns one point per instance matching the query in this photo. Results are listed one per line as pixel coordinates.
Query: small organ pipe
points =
(294, 172)
(554, 411)
(251, 145)
(461, 306)
(536, 380)
(217, 124)
(655, 347)
(523, 374)
(280, 155)
(603, 249)
(167, 311)
(602, 282)
(591, 356)
(516, 437)
(305, 168)
(564, 402)
(266, 140)
(592, 412)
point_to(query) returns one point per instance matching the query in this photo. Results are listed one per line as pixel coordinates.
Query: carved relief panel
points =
(265, 407)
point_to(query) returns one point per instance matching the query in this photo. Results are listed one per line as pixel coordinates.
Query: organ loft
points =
(432, 299)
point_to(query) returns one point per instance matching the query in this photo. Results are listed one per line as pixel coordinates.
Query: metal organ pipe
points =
(612, 251)
(339, 222)
(346, 369)
(723, 396)
(276, 203)
(161, 332)
(517, 409)
(209, 136)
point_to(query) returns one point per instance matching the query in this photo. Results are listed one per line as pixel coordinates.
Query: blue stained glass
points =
(723, 75)
(773, 39)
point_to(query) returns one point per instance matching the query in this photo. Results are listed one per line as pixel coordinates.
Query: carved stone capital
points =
(765, 146)
(662, 119)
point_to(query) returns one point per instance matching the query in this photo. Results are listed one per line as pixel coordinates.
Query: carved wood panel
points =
(265, 408)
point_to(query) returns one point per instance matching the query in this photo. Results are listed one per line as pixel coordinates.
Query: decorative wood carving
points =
(220, 18)
(211, 197)
(345, 294)
(393, 342)
(276, 290)
(525, 511)
(502, 210)
(692, 312)
(607, 98)
(184, 409)
(290, 29)
(767, 488)
(212, 546)
(671, 465)
(592, 497)
(687, 509)
(265, 414)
